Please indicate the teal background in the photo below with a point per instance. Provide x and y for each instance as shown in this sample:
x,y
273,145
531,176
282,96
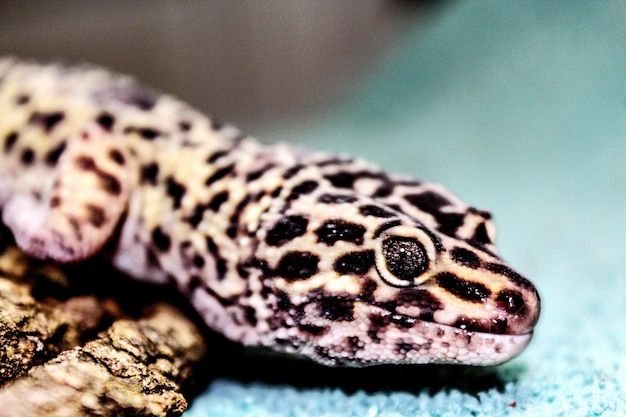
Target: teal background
x,y
520,108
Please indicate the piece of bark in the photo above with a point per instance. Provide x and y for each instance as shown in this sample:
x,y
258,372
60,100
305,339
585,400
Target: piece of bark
x,y
135,368
79,342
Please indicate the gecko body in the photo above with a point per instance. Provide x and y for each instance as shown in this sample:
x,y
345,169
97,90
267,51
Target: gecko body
x,y
304,252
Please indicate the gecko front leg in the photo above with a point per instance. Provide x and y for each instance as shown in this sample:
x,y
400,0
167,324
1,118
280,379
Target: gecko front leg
x,y
72,213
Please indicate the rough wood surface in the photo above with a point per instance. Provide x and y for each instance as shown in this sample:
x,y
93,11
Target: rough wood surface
x,y
69,348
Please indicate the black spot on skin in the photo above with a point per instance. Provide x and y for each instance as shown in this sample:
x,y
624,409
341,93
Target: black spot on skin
x,y
197,215
283,302
215,156
286,229
493,326
233,227
428,201
219,174
386,226
22,99
302,189
347,179
220,263
52,157
221,268
432,203
336,199
385,190
375,211
449,222
313,329
403,347
335,230
297,265
415,297
276,192
250,315
28,156
354,263
161,240
198,261
255,175
481,235
217,201
510,274
55,201
467,290
511,301
465,257
195,282
482,213
405,257
149,173
106,121
184,125
95,215
341,179
212,247
242,271
46,120
146,133
175,190
336,309
292,171
368,286
9,141
109,182
377,323
354,344
116,156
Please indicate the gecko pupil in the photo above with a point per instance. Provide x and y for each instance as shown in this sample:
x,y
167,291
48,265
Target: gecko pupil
x,y
405,257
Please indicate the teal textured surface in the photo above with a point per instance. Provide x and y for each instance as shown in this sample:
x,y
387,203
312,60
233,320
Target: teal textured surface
x,y
519,108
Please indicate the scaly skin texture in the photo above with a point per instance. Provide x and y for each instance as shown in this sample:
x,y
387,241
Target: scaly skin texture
x,y
307,253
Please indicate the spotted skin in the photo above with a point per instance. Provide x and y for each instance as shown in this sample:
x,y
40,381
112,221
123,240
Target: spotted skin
x,y
308,253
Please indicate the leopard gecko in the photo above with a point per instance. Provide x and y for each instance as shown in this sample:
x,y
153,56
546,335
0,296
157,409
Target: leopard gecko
x,y
309,253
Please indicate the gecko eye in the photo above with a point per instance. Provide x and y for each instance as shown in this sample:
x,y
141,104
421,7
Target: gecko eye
x,y
404,256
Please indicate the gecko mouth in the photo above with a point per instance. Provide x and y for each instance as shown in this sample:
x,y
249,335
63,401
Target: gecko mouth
x,y
350,331
467,341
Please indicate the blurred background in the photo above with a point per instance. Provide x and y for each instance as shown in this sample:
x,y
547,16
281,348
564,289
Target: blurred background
x,y
249,62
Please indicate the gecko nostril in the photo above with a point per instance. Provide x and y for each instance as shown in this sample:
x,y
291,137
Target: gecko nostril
x,y
511,301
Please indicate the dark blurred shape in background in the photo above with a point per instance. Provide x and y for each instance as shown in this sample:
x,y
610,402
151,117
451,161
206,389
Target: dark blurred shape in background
x,y
249,62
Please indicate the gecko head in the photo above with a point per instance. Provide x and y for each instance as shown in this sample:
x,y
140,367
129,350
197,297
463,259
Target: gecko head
x,y
383,287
